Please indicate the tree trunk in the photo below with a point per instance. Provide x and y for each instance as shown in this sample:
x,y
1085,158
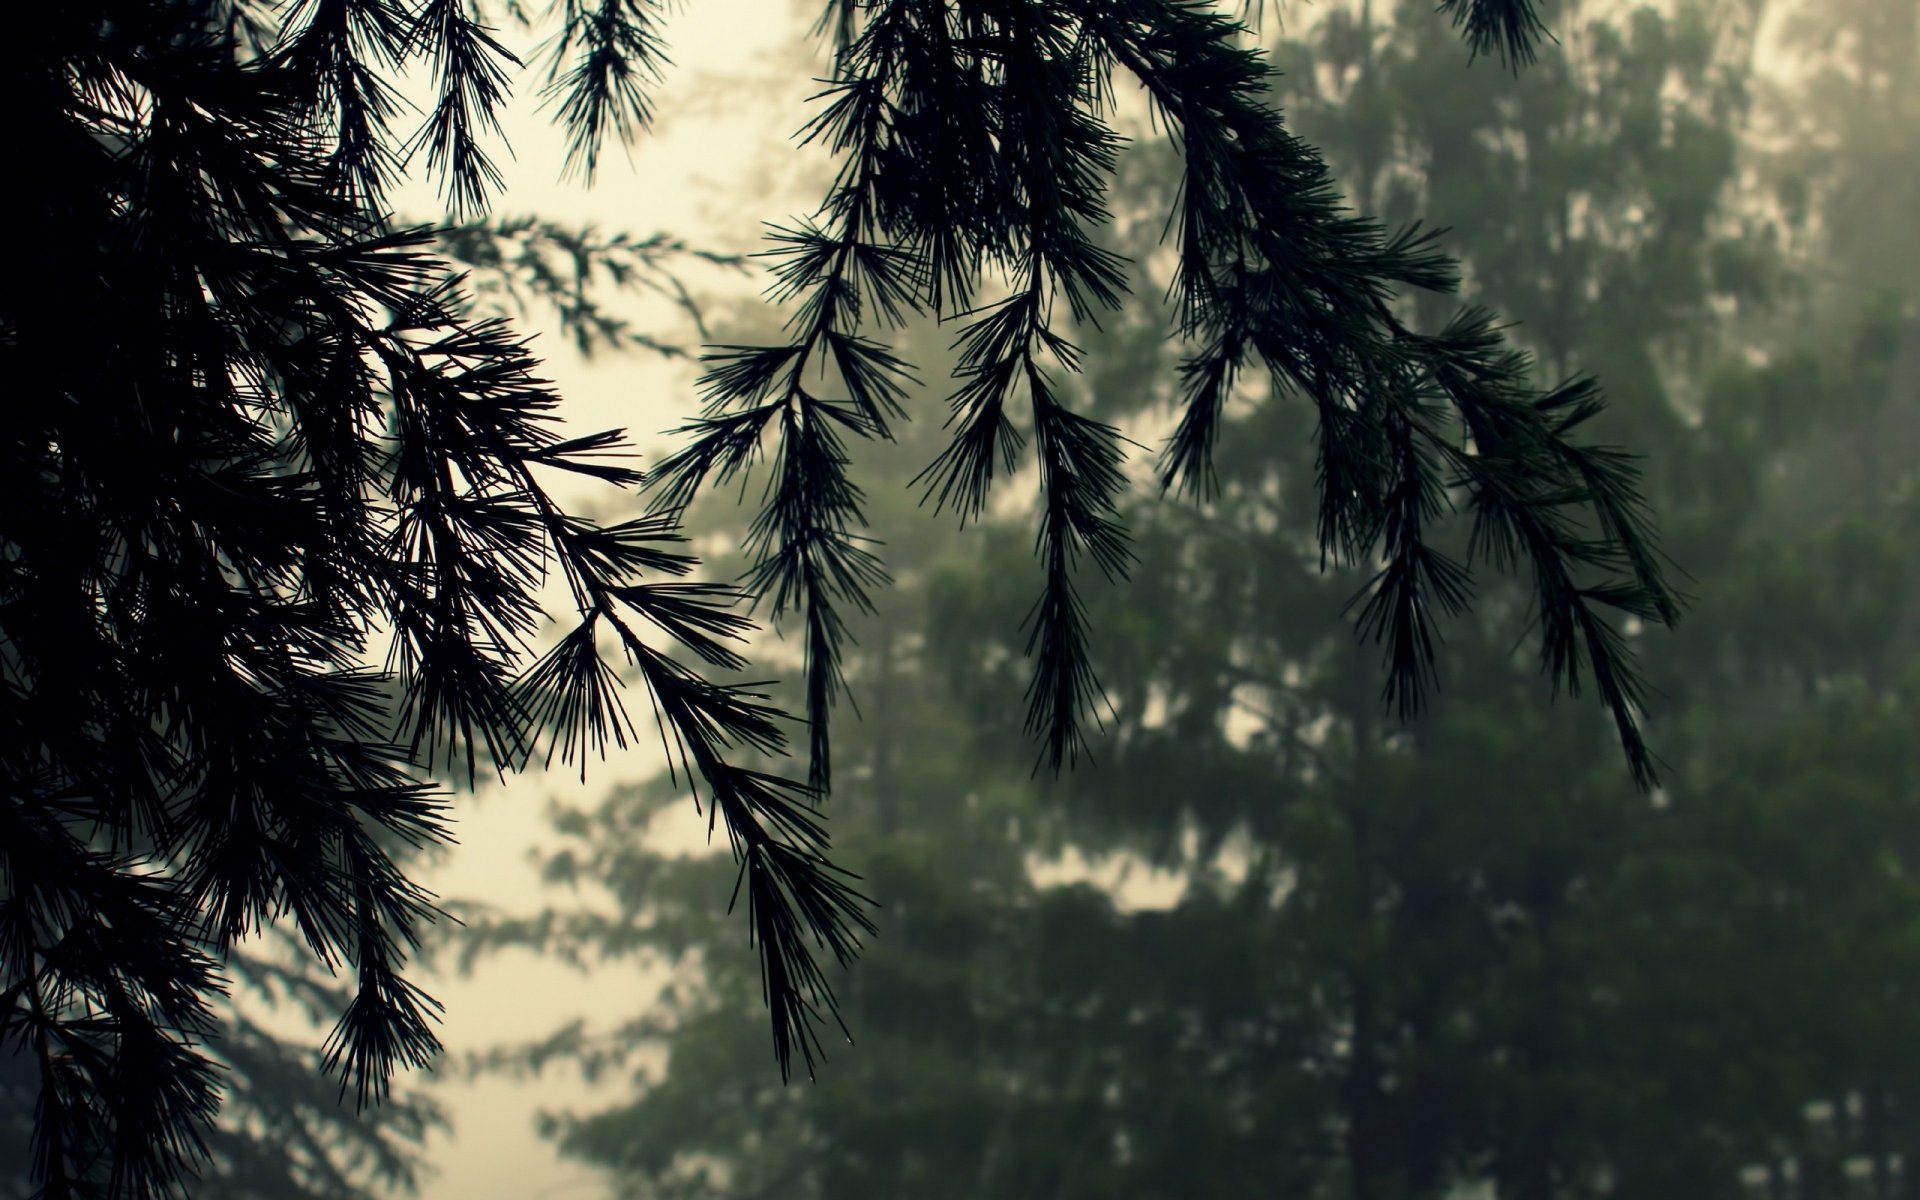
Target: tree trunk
x,y
885,735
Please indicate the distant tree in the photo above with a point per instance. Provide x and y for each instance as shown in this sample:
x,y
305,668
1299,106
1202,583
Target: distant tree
x,y
1415,960
257,437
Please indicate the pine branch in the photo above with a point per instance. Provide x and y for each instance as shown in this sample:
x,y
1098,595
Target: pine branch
x,y
519,262
334,55
1510,28
1272,266
597,63
276,438
293,441
469,66
807,555
920,95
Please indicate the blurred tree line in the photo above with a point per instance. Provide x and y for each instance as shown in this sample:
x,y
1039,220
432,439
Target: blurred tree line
x,y
1457,956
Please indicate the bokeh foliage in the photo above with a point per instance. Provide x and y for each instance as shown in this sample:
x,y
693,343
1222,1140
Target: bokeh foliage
x,y
1360,957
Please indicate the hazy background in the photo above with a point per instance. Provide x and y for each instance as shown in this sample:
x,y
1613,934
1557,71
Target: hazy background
x,y
1740,341
717,164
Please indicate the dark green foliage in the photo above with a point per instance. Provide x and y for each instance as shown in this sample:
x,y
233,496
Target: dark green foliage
x,y
260,438
975,150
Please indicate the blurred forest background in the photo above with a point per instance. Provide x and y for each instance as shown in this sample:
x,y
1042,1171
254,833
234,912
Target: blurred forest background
x,y
1275,943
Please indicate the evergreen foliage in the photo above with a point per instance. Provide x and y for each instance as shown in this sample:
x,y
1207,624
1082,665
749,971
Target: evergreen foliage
x,y
282,1133
260,440
975,145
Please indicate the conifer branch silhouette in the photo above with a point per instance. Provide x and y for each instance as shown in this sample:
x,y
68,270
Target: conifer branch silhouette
x,y
261,440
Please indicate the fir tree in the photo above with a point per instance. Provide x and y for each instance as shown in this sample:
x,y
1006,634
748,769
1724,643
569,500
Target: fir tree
x,y
275,496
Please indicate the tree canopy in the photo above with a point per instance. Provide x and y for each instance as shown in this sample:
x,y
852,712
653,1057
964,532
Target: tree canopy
x,y
276,510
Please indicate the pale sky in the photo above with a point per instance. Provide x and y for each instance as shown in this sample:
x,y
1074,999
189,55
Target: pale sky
x,y
717,164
